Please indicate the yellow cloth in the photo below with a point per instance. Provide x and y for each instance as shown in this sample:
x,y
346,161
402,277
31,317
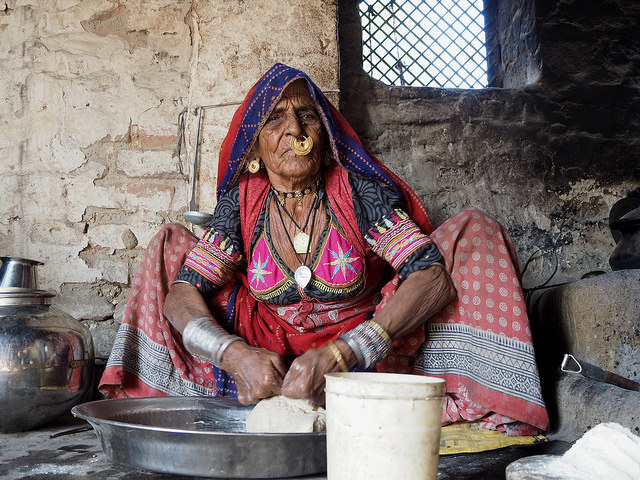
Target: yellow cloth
x,y
471,438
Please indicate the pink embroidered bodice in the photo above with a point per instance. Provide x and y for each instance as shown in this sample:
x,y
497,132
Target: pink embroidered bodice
x,y
338,271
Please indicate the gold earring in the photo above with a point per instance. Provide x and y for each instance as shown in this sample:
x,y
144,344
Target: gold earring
x,y
254,165
301,147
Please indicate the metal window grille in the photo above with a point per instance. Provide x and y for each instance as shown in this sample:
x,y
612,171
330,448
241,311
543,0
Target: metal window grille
x,y
434,43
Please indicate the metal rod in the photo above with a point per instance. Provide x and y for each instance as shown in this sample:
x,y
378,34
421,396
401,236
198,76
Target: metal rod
x,y
192,201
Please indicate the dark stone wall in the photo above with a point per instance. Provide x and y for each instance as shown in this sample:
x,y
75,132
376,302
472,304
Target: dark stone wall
x,y
548,160
512,48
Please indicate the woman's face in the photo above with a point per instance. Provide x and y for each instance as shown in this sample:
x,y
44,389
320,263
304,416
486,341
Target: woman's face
x,y
294,115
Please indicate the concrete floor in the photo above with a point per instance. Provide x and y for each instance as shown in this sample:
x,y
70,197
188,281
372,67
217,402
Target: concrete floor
x,y
44,454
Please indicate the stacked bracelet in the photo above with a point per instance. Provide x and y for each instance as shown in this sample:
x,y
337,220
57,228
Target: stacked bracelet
x,y
336,353
370,343
205,339
378,328
354,347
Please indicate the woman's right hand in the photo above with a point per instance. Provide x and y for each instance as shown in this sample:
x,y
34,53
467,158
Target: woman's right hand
x,y
258,372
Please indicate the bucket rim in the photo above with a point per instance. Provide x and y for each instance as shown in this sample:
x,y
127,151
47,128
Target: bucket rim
x,y
386,377
383,385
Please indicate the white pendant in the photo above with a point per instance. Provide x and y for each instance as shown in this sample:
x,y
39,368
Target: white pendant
x,y
301,242
302,276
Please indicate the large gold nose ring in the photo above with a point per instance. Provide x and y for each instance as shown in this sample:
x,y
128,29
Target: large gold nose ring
x,y
301,146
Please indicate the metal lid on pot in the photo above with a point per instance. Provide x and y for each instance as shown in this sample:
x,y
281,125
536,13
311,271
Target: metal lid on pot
x,y
19,283
19,272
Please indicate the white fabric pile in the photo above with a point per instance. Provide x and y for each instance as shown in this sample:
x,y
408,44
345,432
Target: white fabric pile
x,y
607,451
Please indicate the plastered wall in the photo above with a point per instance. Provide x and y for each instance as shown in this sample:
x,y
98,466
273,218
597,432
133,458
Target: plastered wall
x,y
91,92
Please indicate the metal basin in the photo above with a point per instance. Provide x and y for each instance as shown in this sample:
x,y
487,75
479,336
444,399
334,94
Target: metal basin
x,y
199,436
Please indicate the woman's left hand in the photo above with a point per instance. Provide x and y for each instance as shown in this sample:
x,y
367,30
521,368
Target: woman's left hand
x,y
305,378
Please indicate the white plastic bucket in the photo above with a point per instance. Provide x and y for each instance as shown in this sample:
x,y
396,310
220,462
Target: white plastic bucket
x,y
383,426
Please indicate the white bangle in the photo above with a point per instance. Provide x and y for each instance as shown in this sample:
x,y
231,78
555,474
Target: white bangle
x,y
217,361
355,348
205,339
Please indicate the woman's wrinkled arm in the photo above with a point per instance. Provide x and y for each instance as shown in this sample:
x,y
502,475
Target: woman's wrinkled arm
x,y
423,294
258,372
183,303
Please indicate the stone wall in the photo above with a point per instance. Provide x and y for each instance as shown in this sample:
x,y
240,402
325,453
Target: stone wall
x,y
549,160
91,93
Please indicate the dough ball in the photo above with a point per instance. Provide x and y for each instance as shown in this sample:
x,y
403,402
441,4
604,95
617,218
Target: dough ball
x,y
286,415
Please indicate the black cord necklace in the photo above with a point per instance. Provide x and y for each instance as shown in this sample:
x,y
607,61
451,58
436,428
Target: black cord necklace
x,y
302,274
301,240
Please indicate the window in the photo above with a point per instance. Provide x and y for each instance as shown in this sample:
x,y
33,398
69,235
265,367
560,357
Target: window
x,y
434,43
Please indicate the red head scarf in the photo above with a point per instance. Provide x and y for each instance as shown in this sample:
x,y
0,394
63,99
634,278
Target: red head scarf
x,y
345,146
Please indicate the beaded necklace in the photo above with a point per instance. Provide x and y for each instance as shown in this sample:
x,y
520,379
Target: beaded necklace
x,y
313,188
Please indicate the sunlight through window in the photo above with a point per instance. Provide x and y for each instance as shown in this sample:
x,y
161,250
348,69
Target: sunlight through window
x,y
434,43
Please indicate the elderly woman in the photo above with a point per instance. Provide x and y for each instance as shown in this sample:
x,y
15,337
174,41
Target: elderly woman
x,y
319,259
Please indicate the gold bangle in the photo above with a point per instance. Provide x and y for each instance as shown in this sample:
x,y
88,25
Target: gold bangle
x,y
336,353
378,328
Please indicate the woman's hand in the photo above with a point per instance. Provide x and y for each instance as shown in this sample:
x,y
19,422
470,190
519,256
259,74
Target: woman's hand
x,y
424,293
305,378
258,372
